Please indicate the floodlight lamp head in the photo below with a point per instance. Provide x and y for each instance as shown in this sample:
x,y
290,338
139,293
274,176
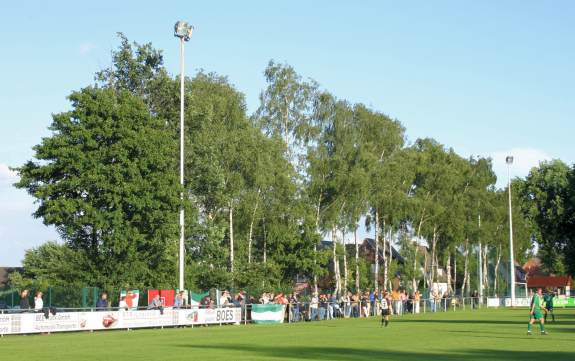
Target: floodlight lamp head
x,y
509,160
183,30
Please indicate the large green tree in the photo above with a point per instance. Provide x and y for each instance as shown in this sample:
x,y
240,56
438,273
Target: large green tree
x,y
105,179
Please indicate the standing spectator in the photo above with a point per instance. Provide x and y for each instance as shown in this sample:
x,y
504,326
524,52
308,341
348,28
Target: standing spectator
x,y
334,306
102,303
331,302
372,302
475,299
365,304
24,302
396,298
206,302
403,301
294,307
416,301
433,299
313,305
238,300
265,299
355,300
38,302
156,304
281,299
346,300
225,299
437,299
179,301
445,300
322,306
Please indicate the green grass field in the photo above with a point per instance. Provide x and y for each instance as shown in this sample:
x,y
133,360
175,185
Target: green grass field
x,y
480,335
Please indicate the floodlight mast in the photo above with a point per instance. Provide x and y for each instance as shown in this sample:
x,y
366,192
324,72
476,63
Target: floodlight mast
x,y
183,31
509,161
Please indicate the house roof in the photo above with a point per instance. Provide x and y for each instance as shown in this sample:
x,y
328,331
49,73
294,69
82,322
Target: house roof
x,y
549,281
394,253
371,243
4,272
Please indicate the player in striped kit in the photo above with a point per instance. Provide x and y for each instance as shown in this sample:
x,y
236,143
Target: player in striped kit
x,y
385,305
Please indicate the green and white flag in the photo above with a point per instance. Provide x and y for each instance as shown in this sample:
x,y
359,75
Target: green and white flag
x,y
269,313
196,298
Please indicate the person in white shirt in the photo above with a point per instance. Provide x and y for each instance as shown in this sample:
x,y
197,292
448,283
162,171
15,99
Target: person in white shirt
x,y
265,299
225,299
38,302
313,307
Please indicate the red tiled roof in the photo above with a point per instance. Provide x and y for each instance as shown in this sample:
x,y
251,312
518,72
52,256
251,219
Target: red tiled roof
x,y
549,281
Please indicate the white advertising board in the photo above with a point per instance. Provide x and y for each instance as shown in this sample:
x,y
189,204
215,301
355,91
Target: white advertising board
x,y
18,323
493,302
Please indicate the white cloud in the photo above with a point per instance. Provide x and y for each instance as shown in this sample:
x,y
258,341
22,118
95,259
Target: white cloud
x,y
523,160
86,48
7,176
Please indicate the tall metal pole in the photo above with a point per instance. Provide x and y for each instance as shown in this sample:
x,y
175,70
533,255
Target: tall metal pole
x,y
480,263
181,253
511,258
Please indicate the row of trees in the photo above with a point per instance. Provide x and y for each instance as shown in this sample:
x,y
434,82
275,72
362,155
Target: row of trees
x,y
261,191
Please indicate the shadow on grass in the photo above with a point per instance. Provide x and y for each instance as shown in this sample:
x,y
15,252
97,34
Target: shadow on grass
x,y
517,337
348,353
485,321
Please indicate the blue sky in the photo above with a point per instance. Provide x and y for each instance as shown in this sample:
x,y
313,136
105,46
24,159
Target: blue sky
x,y
484,77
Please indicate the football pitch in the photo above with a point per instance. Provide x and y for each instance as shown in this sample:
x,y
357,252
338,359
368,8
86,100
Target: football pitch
x,y
462,335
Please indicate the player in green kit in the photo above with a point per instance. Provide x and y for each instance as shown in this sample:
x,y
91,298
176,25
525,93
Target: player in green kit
x,y
549,305
536,313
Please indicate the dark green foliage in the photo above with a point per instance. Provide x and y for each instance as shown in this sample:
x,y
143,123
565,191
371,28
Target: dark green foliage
x,y
105,179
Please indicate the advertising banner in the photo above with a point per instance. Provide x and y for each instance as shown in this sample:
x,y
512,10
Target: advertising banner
x,y
270,313
19,323
519,302
493,302
557,302
129,299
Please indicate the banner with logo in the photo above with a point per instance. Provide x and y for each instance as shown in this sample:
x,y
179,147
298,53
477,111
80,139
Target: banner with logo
x,y
270,313
561,302
129,299
493,302
18,323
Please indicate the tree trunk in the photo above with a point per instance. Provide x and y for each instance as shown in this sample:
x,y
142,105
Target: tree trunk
x,y
465,267
455,272
448,270
426,273
389,259
376,267
345,274
336,264
231,213
496,277
433,257
485,269
251,232
414,279
356,261
318,208
385,259
265,243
